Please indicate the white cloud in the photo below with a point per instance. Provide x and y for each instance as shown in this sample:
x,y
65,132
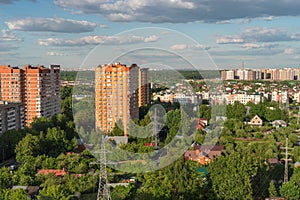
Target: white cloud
x,y
175,11
200,46
179,47
259,46
270,18
289,51
52,53
151,38
223,22
103,26
51,25
96,39
8,36
259,34
184,46
229,40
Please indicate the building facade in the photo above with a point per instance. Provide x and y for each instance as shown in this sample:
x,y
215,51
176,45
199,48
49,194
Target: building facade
x,y
284,74
37,88
144,87
11,116
116,95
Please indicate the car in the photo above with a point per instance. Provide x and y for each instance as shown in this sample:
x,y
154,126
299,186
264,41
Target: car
x,y
13,167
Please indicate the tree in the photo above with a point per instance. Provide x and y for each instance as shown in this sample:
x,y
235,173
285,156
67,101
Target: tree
x,y
272,190
205,111
290,190
231,175
236,111
4,178
296,176
118,129
19,194
28,146
177,181
55,192
122,192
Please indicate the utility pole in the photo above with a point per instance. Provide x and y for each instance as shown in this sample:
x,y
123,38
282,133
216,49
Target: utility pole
x,y
103,188
286,159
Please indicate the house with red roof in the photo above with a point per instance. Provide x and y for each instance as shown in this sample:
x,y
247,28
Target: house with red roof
x,y
56,172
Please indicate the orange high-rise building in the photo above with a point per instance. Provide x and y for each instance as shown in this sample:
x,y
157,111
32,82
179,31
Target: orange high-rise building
x,y
12,84
37,88
118,89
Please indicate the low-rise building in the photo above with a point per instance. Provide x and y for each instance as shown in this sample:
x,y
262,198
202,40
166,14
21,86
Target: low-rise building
x,y
256,121
203,154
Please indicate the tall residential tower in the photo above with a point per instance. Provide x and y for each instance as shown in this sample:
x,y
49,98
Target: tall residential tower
x,y
37,88
119,90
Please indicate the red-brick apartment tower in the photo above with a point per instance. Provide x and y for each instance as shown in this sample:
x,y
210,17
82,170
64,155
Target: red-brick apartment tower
x,y
38,88
116,95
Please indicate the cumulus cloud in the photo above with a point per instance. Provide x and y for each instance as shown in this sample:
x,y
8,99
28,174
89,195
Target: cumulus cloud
x,y
8,36
103,26
289,51
51,25
178,47
175,11
95,40
229,40
259,46
259,34
53,53
185,46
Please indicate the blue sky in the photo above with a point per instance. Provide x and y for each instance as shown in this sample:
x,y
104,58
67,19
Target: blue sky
x,y
259,33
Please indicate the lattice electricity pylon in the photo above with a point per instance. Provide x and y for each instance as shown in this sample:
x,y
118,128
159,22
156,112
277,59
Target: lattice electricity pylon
x,y
103,188
286,159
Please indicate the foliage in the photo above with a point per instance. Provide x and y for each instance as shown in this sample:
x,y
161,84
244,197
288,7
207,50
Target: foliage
x,y
272,190
68,75
290,190
4,178
122,192
177,181
236,111
18,194
231,175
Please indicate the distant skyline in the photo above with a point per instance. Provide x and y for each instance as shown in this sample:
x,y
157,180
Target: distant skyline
x,y
262,34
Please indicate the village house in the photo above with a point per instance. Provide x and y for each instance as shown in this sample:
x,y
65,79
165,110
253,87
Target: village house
x,y
256,121
203,154
56,172
279,123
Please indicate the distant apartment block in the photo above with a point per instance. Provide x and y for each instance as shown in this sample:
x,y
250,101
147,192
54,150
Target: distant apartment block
x,y
11,116
284,74
37,88
119,91
231,98
281,97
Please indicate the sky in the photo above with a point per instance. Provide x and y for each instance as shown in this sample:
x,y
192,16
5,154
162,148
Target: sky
x,y
209,33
